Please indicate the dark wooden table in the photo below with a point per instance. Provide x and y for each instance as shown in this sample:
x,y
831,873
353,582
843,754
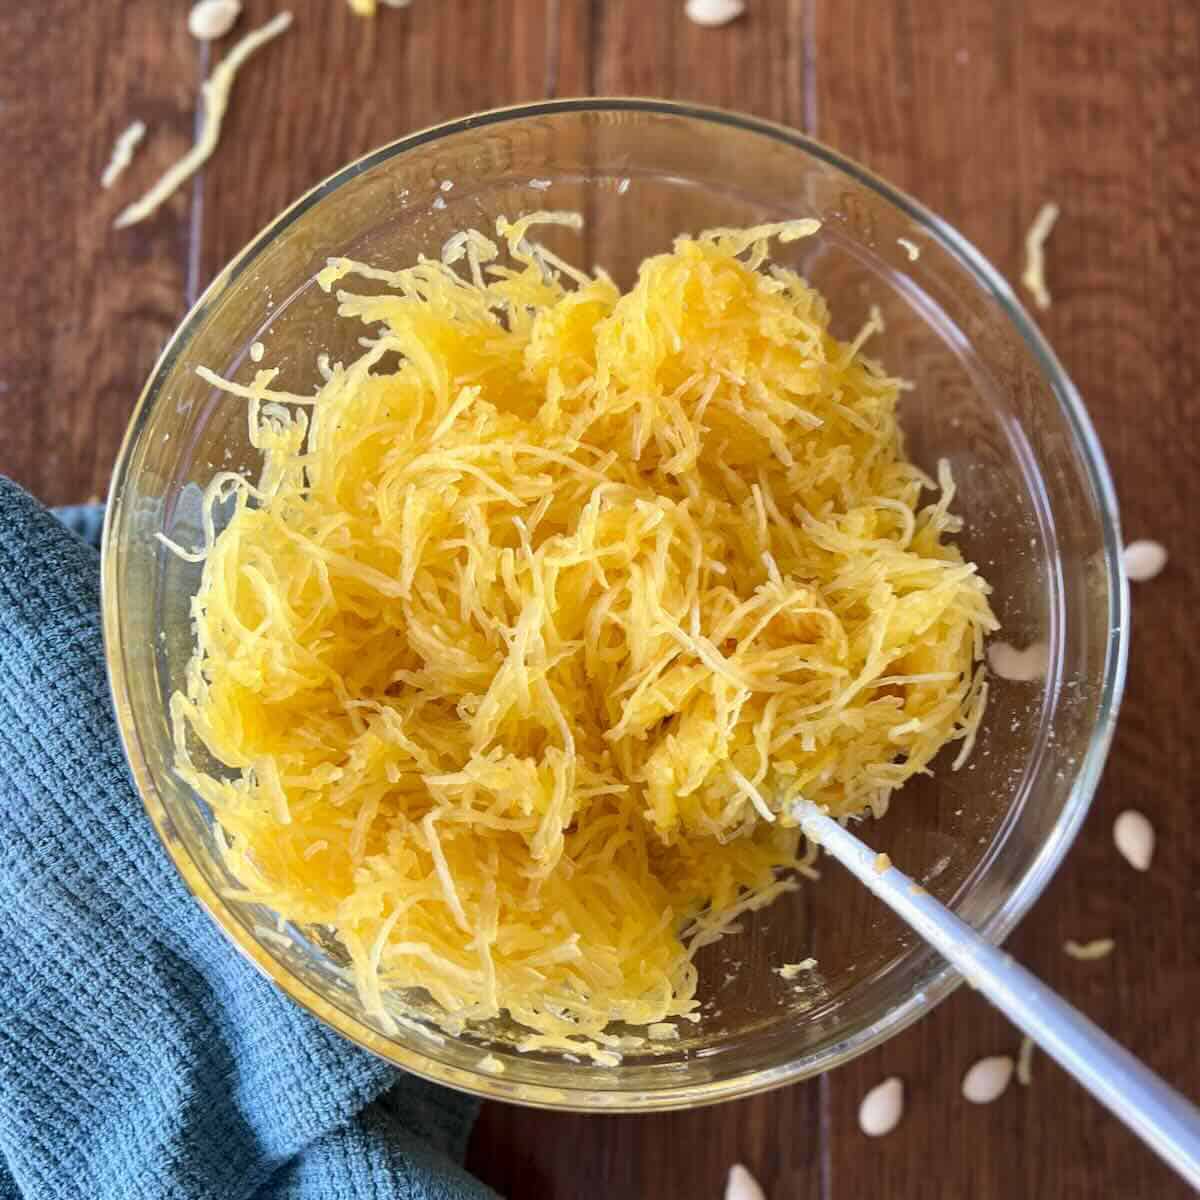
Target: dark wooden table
x,y
983,109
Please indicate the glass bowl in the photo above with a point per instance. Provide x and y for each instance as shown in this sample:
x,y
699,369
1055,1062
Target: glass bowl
x,y
989,396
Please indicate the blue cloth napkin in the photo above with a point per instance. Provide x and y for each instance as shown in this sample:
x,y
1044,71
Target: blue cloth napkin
x,y
140,1057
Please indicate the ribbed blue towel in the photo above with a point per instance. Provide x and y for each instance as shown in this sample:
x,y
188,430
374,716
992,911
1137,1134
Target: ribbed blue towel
x,y
140,1057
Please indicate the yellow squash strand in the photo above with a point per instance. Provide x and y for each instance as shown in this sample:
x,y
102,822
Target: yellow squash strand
x,y
543,610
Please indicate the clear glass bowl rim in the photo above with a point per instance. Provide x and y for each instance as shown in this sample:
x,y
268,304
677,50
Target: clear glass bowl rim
x,y
945,979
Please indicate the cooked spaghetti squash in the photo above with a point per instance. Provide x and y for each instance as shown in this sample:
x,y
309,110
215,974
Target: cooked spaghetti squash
x,y
542,612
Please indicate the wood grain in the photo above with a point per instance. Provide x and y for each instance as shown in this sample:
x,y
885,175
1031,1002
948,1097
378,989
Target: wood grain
x,y
84,310
557,1156
337,86
756,64
982,111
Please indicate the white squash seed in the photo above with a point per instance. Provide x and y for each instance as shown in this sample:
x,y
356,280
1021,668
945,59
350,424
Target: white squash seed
x,y
881,1108
987,1079
212,19
1021,666
742,1185
712,13
1134,838
1143,560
